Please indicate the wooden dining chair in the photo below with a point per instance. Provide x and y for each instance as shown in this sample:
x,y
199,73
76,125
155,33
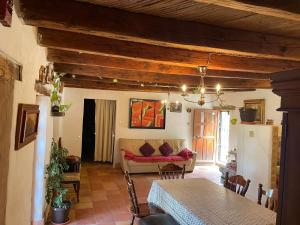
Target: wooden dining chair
x,y
137,209
171,171
271,197
236,183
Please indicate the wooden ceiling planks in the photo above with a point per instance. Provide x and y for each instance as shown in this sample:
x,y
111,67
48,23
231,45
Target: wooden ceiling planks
x,y
284,9
220,12
164,45
119,24
141,76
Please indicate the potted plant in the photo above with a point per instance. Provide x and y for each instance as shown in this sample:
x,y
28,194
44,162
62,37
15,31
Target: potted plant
x,y
55,192
57,108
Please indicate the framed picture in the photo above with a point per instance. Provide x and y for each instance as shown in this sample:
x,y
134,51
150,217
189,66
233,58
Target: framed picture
x,y
27,124
258,104
176,107
147,114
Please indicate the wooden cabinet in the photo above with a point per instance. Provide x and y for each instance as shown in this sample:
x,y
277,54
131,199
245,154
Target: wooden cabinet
x,y
287,85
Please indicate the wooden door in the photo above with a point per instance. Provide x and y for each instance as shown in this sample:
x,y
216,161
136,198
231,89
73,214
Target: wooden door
x,y
205,133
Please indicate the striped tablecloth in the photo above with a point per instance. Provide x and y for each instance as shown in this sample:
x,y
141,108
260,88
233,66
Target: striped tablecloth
x,y
201,202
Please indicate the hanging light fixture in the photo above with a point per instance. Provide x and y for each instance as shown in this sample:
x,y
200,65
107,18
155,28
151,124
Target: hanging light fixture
x,y
201,89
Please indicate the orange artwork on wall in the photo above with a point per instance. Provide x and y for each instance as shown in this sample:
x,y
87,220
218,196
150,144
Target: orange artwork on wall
x,y
147,114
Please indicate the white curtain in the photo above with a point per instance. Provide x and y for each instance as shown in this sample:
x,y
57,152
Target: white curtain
x,y
105,127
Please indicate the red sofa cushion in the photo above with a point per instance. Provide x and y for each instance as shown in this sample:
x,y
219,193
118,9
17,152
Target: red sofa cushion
x,y
159,158
186,153
128,155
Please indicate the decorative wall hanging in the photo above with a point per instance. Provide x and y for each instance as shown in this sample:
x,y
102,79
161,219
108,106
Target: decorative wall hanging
x,y
259,105
6,7
176,107
9,68
147,114
43,84
27,124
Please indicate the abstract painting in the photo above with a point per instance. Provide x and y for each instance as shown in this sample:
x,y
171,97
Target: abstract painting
x,y
147,114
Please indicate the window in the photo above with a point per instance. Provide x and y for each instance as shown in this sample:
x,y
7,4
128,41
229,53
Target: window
x,y
223,139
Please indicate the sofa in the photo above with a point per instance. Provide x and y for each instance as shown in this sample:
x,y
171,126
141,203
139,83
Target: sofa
x,y
133,161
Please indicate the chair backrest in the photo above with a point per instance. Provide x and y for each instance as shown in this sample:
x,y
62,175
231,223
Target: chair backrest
x,y
171,171
132,194
74,163
236,183
271,197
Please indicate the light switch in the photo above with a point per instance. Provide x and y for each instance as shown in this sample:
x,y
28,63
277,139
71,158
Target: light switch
x,y
251,133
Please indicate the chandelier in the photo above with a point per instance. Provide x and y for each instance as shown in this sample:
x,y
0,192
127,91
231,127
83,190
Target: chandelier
x,y
202,90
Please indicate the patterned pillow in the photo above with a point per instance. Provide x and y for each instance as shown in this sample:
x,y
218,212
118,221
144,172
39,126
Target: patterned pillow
x,y
146,149
165,149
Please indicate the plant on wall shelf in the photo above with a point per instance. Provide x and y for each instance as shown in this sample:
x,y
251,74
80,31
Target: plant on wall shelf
x,y
55,192
57,108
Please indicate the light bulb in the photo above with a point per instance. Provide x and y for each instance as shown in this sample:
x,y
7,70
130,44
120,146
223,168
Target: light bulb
x,y
218,87
202,90
183,88
177,102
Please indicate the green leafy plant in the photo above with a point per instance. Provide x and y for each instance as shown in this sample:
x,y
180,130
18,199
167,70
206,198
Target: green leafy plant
x,y
55,192
56,94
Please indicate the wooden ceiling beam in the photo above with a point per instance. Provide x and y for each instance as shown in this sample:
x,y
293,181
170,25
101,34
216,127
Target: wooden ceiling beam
x,y
143,53
73,83
70,57
285,9
97,71
118,24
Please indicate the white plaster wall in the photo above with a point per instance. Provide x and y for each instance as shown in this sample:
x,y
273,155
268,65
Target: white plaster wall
x,y
178,125
20,43
272,102
255,156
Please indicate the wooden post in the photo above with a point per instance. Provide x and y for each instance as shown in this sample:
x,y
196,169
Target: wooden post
x,y
287,85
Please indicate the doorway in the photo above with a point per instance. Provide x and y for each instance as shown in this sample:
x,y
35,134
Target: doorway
x,y
211,135
88,131
98,134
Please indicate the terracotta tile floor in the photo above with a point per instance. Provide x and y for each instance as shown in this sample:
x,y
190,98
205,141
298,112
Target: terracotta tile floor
x,y
104,197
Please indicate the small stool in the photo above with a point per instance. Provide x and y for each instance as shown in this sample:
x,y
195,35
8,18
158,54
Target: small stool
x,y
158,219
73,178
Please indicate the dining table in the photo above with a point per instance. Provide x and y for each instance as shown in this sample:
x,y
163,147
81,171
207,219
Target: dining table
x,y
198,201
